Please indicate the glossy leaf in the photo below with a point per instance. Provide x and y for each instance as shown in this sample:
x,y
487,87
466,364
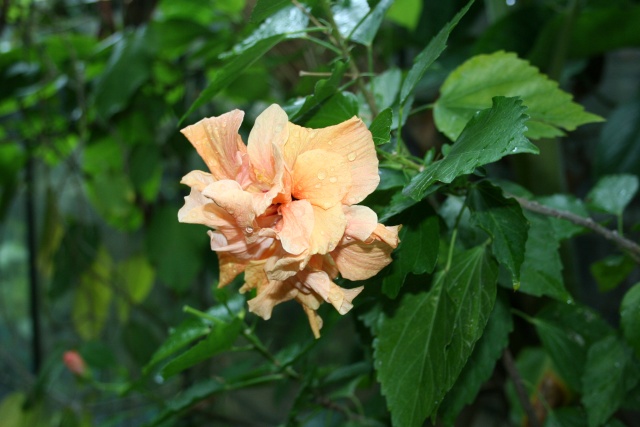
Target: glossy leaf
x,y
421,350
339,108
381,127
505,223
567,331
630,317
430,53
490,135
610,271
481,363
179,337
417,252
367,29
473,85
230,71
265,8
93,297
348,13
608,375
612,193
288,22
541,271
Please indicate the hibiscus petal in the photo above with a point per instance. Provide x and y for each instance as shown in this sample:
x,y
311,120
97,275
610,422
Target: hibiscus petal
x,y
389,235
360,261
319,282
254,277
296,226
270,296
230,266
199,209
328,228
321,177
352,141
315,321
361,222
269,129
230,196
197,179
217,141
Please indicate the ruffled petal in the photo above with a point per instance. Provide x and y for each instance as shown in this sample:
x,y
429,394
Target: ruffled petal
x,y
319,282
295,229
230,266
321,177
361,222
230,196
360,261
328,228
270,296
217,141
315,321
269,130
197,179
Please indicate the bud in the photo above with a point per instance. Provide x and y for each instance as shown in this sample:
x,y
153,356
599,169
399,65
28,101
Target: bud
x,y
74,362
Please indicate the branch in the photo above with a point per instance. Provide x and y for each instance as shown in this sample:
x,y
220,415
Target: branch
x,y
512,370
628,245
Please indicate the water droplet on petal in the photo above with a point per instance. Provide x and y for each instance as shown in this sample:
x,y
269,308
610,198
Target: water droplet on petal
x,y
348,237
249,230
351,156
333,179
322,175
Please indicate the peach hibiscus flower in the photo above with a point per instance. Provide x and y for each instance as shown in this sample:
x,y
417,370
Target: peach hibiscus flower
x,y
283,208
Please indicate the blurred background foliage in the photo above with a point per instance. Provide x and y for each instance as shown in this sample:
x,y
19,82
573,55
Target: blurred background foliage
x,y
92,258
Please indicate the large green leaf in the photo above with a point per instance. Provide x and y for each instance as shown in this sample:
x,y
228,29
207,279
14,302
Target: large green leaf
x,y
421,350
231,71
481,363
608,375
541,271
179,337
128,68
367,28
221,338
381,127
417,252
505,223
612,193
473,85
430,53
630,317
288,22
93,297
490,135
340,107
567,331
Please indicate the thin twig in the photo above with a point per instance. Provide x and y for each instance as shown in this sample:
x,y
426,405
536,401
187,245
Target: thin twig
x,y
631,247
512,370
303,73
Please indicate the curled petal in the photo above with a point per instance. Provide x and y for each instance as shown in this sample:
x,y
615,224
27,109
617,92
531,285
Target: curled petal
x,y
230,196
197,179
281,265
328,228
199,209
238,246
321,177
319,282
315,321
270,296
360,261
254,277
217,141
389,235
269,130
361,222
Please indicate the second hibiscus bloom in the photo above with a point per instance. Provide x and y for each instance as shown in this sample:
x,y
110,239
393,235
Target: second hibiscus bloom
x,y
284,211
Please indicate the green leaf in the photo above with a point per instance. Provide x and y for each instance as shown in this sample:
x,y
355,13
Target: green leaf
x,y
430,53
288,22
367,29
128,68
505,223
398,203
264,8
93,297
421,350
322,90
567,331
406,13
135,280
490,135
612,193
340,107
566,417
221,338
348,14
473,85
381,127
562,228
610,271
174,249
179,337
145,170
618,148
231,71
417,252
608,376
630,317
541,271
481,363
